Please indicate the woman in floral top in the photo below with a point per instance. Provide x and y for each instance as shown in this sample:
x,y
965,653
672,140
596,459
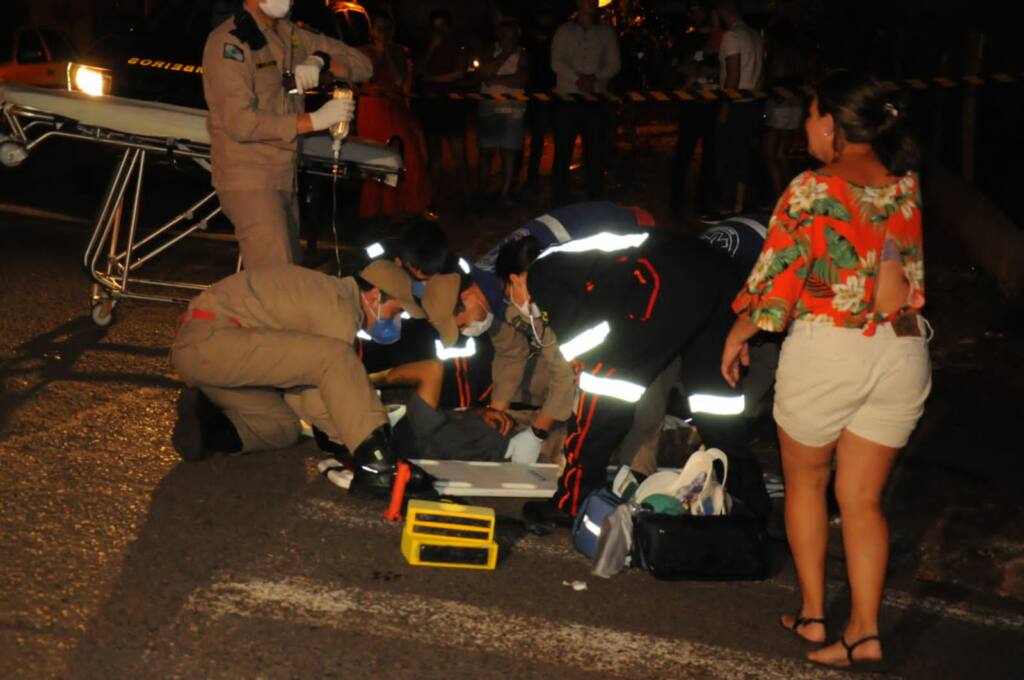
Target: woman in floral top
x,y
842,270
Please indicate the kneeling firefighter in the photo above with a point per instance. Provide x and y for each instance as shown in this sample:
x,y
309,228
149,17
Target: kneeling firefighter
x,y
261,342
624,307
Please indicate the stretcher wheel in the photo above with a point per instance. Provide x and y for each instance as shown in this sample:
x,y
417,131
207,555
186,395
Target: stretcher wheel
x,y
103,312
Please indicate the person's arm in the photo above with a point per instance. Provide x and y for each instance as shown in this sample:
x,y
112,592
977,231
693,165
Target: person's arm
x,y
231,97
729,55
347,63
426,376
777,281
560,48
611,61
561,391
511,352
518,79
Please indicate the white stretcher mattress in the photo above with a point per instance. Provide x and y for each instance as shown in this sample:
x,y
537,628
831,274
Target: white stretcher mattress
x,y
170,122
130,116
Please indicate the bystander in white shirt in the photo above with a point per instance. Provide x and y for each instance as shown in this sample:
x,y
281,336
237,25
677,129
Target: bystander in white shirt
x,y
577,51
741,39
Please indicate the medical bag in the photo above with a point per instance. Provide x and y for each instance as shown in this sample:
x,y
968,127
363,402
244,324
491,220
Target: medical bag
x,y
586,530
721,548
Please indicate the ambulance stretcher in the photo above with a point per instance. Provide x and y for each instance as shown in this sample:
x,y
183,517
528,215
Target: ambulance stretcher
x,y
119,246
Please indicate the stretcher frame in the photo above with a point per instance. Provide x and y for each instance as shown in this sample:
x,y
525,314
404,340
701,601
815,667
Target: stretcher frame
x,y
117,249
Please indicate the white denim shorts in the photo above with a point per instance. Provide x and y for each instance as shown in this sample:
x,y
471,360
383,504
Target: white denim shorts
x,y
833,379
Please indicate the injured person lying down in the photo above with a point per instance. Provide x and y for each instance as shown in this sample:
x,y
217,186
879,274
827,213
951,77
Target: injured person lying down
x,y
479,434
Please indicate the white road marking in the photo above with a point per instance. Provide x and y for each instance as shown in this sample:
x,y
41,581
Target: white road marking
x,y
359,518
455,624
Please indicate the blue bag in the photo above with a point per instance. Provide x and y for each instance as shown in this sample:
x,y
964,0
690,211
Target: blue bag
x,y
586,530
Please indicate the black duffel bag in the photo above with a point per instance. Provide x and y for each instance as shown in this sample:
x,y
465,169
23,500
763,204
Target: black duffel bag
x,y
718,548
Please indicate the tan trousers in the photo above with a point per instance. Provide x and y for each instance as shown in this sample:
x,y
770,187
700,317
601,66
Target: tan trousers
x,y
245,371
266,225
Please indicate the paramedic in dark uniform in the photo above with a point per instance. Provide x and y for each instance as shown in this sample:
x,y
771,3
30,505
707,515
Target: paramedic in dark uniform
x,y
624,308
249,344
254,121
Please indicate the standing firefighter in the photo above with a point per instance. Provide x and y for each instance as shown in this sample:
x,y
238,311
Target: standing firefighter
x,y
263,347
624,308
256,66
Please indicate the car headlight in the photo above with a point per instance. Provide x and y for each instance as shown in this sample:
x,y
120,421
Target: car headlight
x,y
88,79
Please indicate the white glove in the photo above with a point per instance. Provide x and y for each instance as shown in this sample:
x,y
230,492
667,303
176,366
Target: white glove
x,y
524,448
307,74
333,112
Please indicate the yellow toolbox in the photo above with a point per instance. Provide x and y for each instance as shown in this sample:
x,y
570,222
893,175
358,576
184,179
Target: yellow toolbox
x,y
449,535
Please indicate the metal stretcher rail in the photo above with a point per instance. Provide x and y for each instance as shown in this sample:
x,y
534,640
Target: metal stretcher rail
x,y
117,249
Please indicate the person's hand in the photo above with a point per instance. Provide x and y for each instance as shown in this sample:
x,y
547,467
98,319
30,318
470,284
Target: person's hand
x,y
334,111
734,354
586,84
524,448
307,74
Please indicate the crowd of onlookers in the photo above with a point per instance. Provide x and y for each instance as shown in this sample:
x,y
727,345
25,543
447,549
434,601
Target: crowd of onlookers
x,y
425,99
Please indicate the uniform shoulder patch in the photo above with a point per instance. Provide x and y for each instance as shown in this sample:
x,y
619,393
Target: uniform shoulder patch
x,y
232,51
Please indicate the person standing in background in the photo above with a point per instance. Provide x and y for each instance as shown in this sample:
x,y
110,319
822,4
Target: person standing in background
x,y
740,59
697,119
500,129
584,57
384,113
442,70
542,79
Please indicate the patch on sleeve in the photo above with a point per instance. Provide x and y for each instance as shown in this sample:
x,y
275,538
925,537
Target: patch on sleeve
x,y
235,52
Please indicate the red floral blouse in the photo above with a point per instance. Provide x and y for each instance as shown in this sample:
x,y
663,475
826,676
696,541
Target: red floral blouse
x,y
821,255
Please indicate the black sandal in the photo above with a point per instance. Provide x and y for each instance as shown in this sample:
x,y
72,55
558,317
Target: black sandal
x,y
801,621
861,664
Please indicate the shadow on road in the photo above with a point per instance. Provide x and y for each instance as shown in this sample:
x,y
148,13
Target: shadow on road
x,y
55,356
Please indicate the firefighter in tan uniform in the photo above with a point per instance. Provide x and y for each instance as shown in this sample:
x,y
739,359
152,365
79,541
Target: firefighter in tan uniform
x,y
251,341
527,366
255,122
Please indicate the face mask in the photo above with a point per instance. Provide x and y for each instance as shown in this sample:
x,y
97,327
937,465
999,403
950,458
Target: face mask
x,y
386,331
478,327
418,289
276,9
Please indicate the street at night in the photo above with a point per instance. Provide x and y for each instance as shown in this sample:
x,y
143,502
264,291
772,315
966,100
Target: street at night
x,y
131,550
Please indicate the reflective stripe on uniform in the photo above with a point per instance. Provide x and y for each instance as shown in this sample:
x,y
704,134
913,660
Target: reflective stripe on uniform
x,y
445,353
374,250
463,265
611,387
605,241
717,404
556,228
585,341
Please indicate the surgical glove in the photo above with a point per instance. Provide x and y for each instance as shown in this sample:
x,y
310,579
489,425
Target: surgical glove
x,y
307,74
333,112
524,448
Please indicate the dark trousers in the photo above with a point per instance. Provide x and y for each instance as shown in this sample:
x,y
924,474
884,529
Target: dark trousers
x,y
538,121
602,422
696,124
734,137
589,121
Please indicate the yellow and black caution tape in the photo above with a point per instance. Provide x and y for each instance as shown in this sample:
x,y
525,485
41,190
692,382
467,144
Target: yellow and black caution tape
x,y
711,95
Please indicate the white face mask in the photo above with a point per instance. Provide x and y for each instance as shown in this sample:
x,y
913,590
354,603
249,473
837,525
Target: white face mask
x,y
276,9
478,327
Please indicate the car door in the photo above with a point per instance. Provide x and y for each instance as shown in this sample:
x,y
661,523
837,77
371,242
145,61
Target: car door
x,y
32,65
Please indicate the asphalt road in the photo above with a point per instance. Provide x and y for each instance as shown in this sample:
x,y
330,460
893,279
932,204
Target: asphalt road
x,y
117,560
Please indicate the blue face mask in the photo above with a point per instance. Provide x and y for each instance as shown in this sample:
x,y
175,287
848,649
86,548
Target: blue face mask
x,y
418,289
386,331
